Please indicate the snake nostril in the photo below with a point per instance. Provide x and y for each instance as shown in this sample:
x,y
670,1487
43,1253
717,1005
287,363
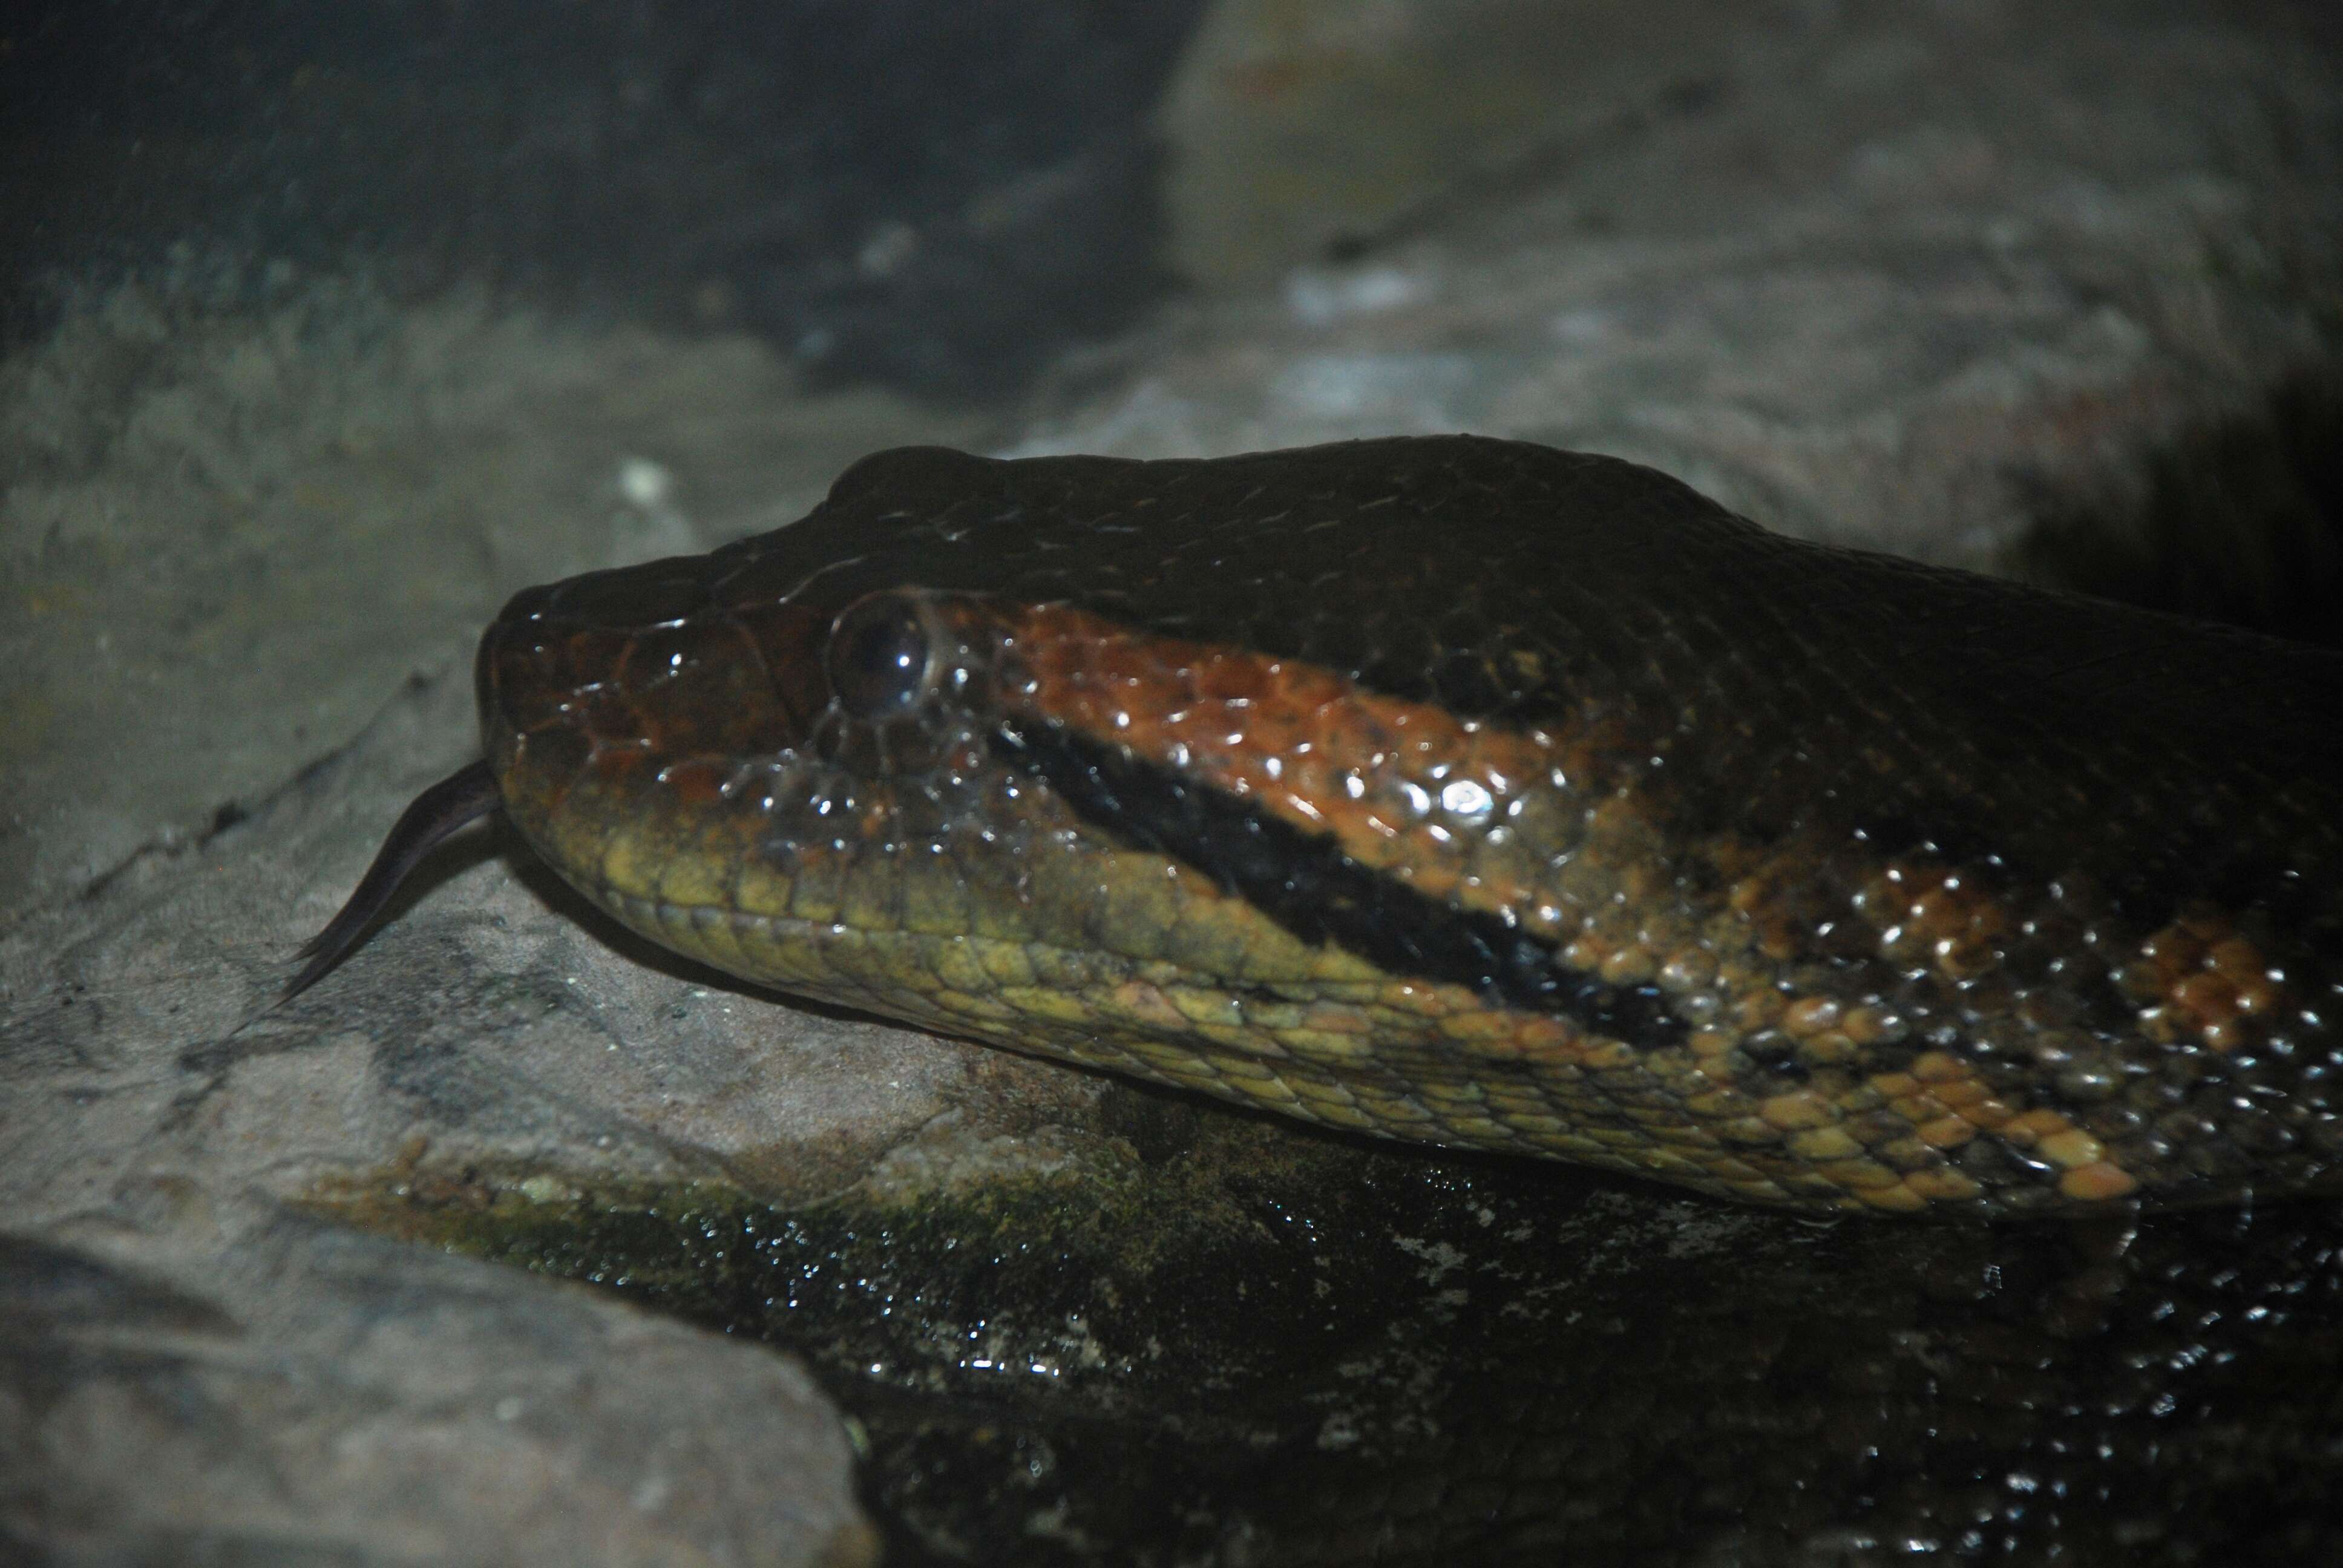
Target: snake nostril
x,y
880,656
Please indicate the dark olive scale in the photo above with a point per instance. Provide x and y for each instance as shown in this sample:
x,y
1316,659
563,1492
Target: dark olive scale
x,y
1833,879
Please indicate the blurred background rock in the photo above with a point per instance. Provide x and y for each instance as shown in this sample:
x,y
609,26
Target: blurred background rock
x,y
328,326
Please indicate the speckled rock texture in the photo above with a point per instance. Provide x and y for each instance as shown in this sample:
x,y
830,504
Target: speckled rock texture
x,y
1865,272
257,1387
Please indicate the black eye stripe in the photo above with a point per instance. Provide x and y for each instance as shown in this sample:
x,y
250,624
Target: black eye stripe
x,y
1305,883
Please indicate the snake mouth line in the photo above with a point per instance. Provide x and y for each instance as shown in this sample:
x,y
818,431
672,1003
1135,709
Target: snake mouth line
x,y
1308,885
703,930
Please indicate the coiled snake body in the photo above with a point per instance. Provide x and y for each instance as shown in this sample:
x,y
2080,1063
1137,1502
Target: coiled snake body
x,y
1476,793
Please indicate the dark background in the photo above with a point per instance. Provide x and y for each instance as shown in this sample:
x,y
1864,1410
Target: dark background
x,y
932,195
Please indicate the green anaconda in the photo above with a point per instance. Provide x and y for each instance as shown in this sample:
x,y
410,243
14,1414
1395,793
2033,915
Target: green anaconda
x,y
1473,793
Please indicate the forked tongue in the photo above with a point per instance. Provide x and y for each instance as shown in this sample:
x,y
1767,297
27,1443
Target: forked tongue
x,y
468,793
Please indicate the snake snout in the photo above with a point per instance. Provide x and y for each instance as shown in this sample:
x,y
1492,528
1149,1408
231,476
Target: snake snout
x,y
640,669
638,697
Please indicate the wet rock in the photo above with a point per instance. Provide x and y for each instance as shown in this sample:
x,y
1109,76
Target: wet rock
x,y
1869,272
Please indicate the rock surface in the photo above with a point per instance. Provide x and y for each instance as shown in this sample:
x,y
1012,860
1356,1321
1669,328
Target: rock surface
x,y
1868,272
259,1388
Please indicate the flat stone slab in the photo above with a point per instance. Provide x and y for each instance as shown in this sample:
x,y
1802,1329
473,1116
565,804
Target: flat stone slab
x,y
258,1387
1902,279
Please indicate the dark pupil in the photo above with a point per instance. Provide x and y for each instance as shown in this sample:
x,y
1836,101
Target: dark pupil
x,y
878,658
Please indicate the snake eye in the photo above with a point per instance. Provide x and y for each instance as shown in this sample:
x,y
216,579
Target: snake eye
x,y
880,654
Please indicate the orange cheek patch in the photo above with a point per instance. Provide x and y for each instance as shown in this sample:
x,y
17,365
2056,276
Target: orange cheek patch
x,y
1402,787
2203,980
